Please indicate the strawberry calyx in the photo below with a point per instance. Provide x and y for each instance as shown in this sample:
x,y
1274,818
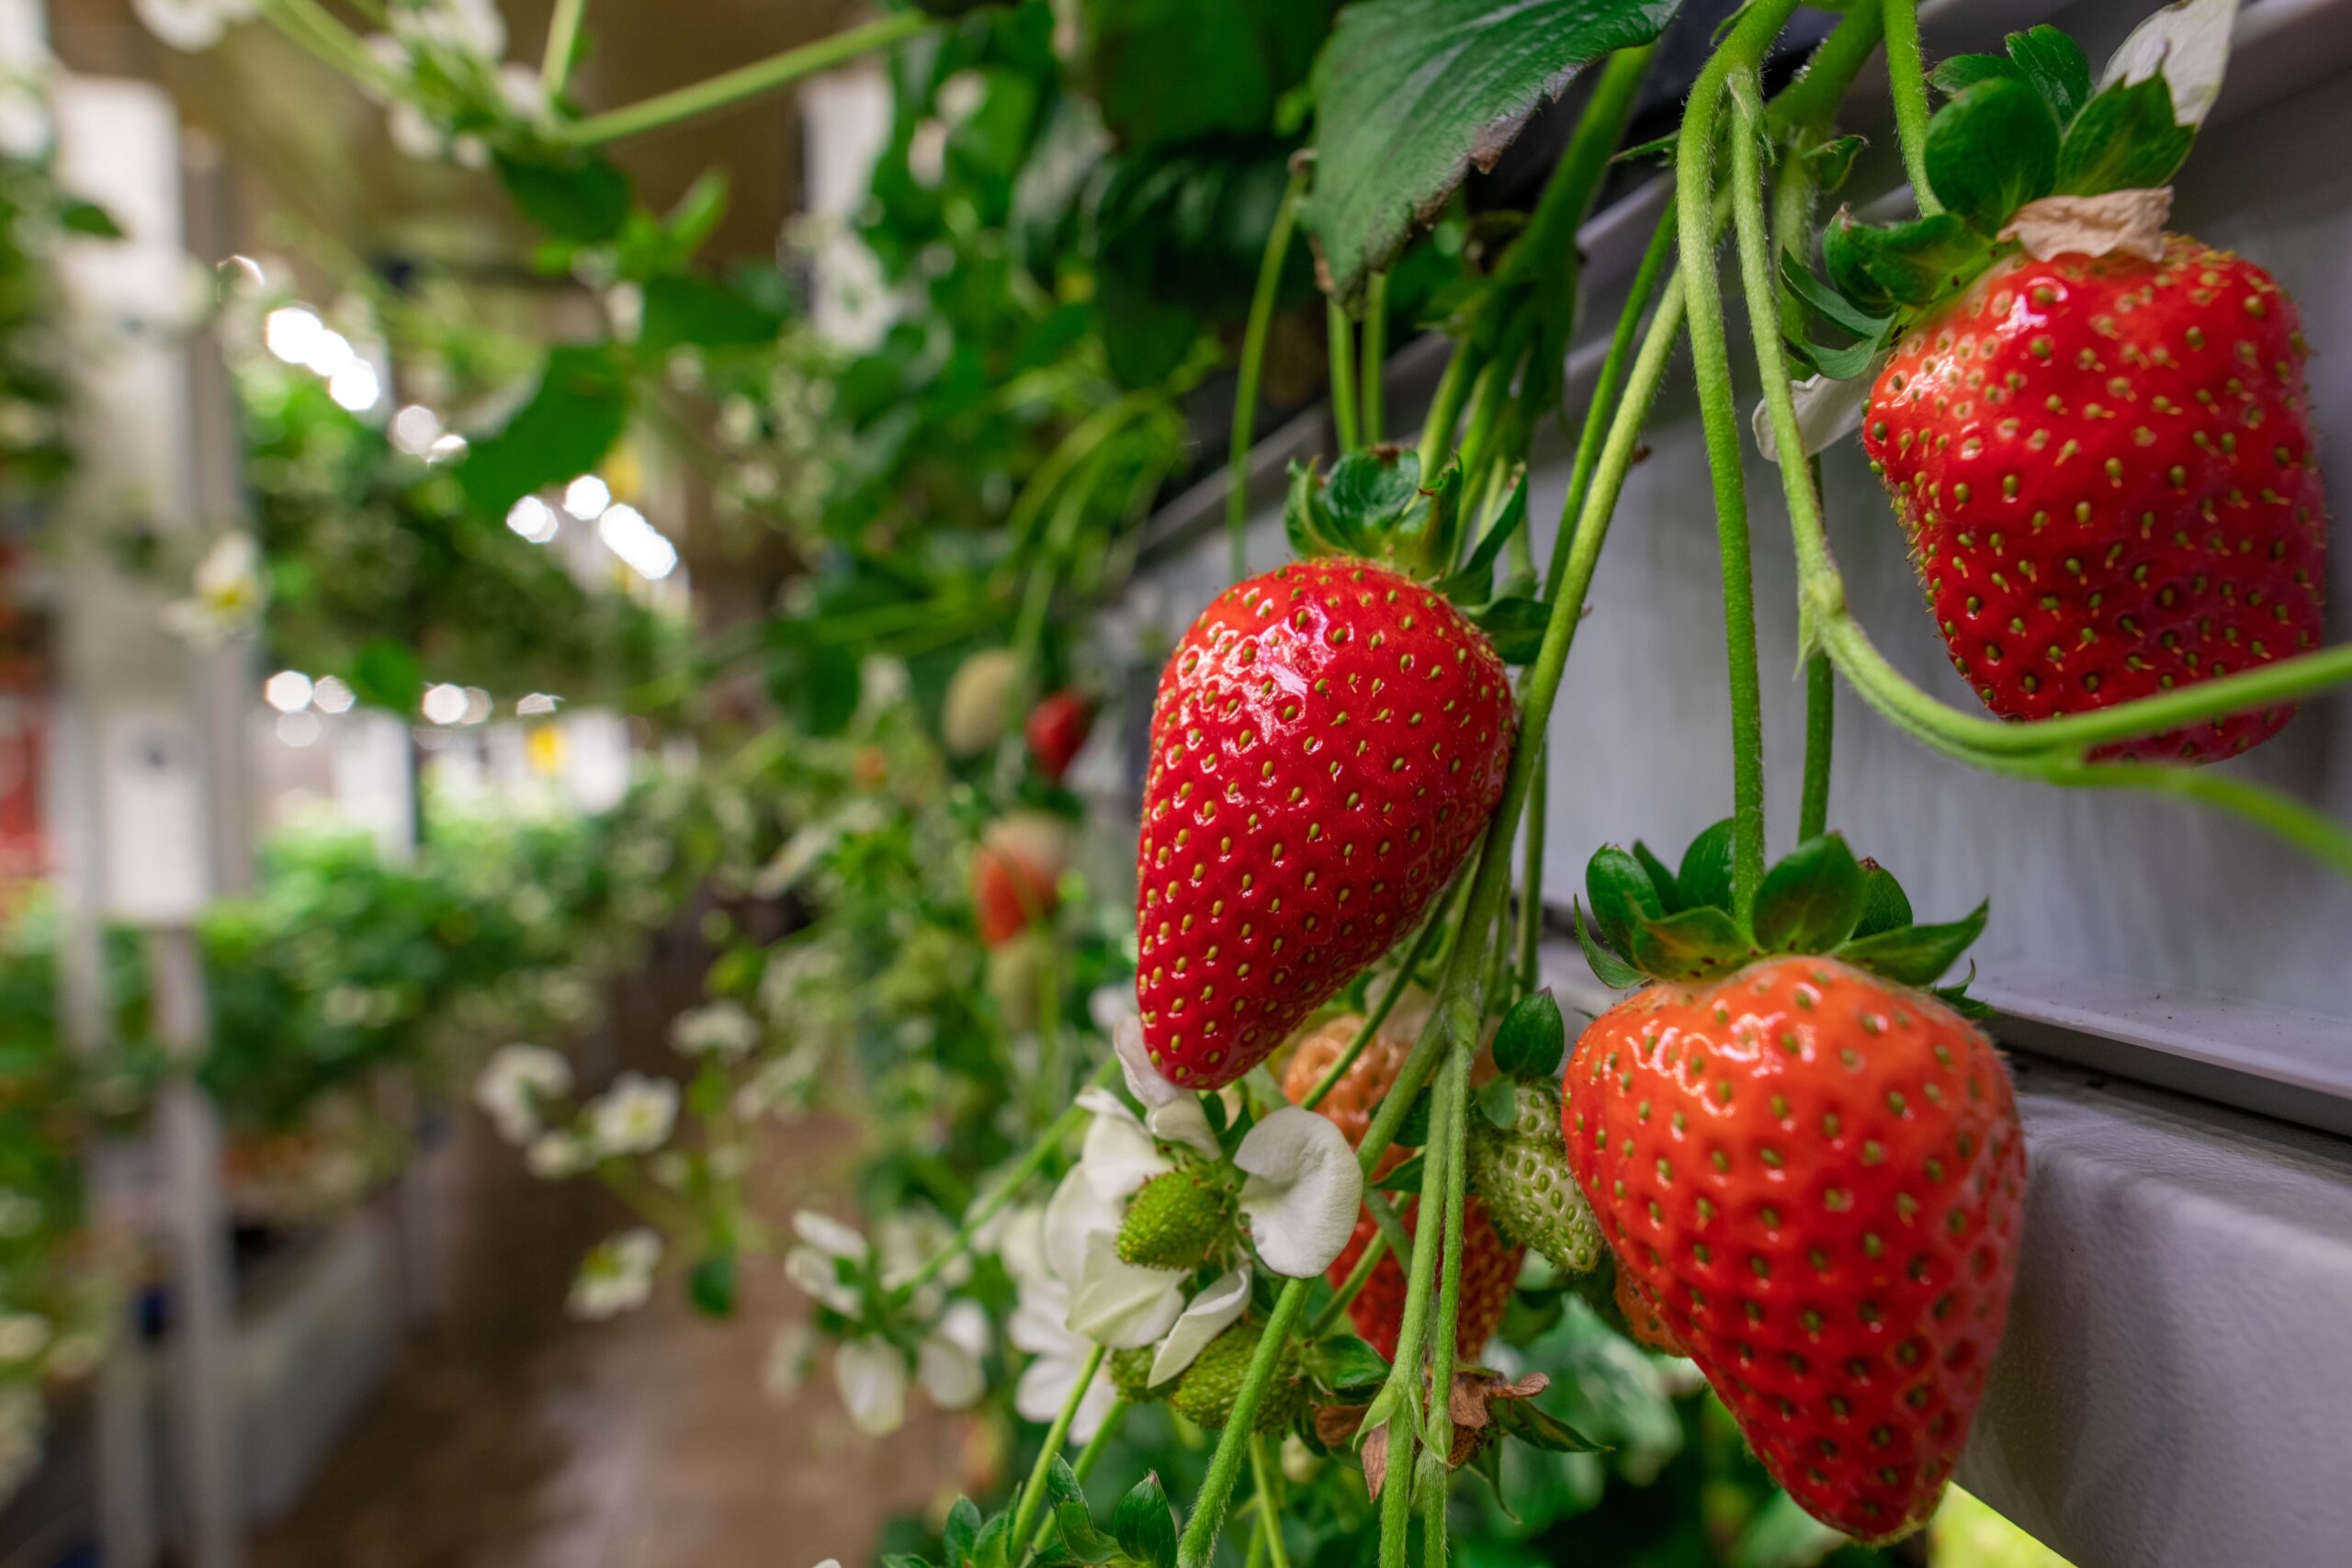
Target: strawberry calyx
x,y
1651,923
2019,129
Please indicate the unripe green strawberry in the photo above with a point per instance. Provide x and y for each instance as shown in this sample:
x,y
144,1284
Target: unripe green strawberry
x,y
1131,1374
1329,742
1523,1173
1180,1219
1205,1393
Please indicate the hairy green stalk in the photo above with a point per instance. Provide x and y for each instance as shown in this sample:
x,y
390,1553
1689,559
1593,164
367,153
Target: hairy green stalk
x,y
1341,337
1820,729
563,42
1032,1495
743,83
1253,365
1445,407
1376,355
1270,1506
1907,81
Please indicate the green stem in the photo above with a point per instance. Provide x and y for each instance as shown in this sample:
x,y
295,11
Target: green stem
x,y
1454,1087
1032,1495
1445,408
1270,1512
1341,335
736,86
1086,1459
1531,879
1396,1499
1031,1161
1254,364
1350,1288
1199,1541
1375,354
1907,80
563,42
314,29
2320,835
1820,724
1389,1227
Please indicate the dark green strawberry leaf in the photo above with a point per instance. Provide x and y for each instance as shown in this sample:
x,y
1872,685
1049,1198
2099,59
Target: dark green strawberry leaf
x,y
1884,904
1991,149
1607,967
2056,66
1146,1525
1820,300
1532,1038
1344,1363
571,419
1705,877
1083,1539
1916,956
991,1548
962,1531
1623,892
1522,1419
1670,896
1962,72
1473,582
386,674
1833,161
818,682
1413,1132
1405,1176
586,201
87,219
1486,1462
1687,945
1907,264
2125,139
682,310
1171,71
711,1285
1498,1103
1410,93
1516,627
1811,900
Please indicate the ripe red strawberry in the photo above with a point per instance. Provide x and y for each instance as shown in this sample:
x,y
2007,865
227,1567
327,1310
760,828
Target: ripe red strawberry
x,y
1814,1180
1490,1265
1056,727
1329,742
1015,873
2105,466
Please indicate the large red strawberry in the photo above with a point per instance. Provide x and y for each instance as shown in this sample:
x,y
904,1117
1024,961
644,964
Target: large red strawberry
x,y
1329,742
1812,1176
1490,1265
2105,469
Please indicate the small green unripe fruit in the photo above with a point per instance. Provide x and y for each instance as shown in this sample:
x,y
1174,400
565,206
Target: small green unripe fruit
x,y
1180,1219
1131,1373
1204,1395
1523,1173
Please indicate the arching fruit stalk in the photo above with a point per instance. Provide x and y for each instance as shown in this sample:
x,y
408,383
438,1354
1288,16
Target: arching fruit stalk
x,y
1809,1168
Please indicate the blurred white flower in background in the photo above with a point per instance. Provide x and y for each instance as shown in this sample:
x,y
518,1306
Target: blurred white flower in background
x,y
616,1276
227,596
191,25
870,1371
23,1335
554,1156
634,1115
516,1087
473,25
722,1029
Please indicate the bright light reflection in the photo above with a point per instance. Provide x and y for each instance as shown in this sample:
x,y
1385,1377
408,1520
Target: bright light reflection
x,y
445,703
532,518
627,535
535,705
414,430
476,705
448,447
298,729
292,334
586,498
329,695
289,691
356,387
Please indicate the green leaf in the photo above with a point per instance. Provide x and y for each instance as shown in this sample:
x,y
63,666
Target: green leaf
x,y
1907,264
1473,582
1687,945
1622,890
570,420
962,1531
1405,1175
1369,491
683,309
1884,904
992,1547
1916,956
1962,72
1825,302
88,219
1188,224
1410,93
2056,66
1516,627
1168,71
1498,1103
1607,967
1704,880
2125,139
386,674
1532,1038
1670,896
1834,160
1082,1536
1522,1419
585,201
1146,1525
1413,1132
1344,1362
1145,336
1811,900
1991,149
697,212
818,683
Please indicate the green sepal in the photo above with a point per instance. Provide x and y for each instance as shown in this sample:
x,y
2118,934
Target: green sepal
x,y
1884,904
1959,72
1623,892
1693,943
711,1284
1704,879
1669,894
1519,1418
1424,542
1907,264
1405,1176
1145,1524
1805,299
990,1548
1916,956
1306,522
1345,1364
1499,1102
1413,1130
962,1531
1532,1040
1372,491
1473,582
1516,627
1607,967
1956,997
1991,149
1811,900
2056,66
2125,139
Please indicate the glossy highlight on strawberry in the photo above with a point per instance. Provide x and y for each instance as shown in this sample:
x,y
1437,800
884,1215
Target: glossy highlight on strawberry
x,y
1329,742
2105,467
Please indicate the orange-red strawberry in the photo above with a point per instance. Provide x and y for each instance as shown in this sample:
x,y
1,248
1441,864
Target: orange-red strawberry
x,y
1329,742
1056,727
1016,872
2105,466
1813,1179
1490,1265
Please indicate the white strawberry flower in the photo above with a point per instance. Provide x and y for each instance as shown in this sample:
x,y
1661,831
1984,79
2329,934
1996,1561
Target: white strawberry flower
x,y
1302,1192
1040,1326
227,593
722,1029
190,26
516,1085
635,1116
616,1276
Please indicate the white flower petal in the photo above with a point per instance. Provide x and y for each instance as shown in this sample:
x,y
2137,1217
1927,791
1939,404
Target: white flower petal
x,y
1212,1312
1303,1191
1123,1305
813,1272
1021,1248
1143,1079
949,1367
2190,43
1075,1215
1827,412
1118,1155
1181,1121
1101,1394
828,1234
872,1376
1044,1387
